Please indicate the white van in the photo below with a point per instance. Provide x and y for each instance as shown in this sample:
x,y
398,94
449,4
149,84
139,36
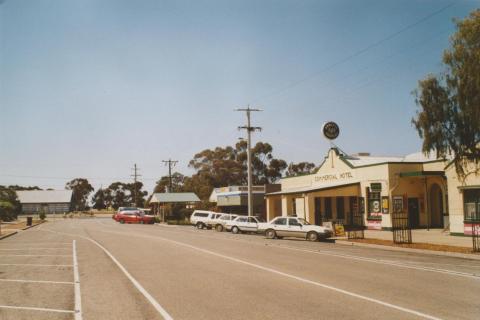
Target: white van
x,y
200,218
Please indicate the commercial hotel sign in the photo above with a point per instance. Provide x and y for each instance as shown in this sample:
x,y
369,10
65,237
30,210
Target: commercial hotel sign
x,y
334,177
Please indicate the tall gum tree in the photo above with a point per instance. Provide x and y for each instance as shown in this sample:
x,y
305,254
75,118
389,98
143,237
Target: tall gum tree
x,y
448,119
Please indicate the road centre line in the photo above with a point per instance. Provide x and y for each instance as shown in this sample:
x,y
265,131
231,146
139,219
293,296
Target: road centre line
x,y
352,257
304,280
34,255
139,287
30,243
36,309
35,281
36,265
76,280
25,249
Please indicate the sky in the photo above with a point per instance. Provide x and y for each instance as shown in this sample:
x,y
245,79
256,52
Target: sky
x,y
88,88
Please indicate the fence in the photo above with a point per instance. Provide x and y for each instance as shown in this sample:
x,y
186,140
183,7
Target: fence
x,y
402,231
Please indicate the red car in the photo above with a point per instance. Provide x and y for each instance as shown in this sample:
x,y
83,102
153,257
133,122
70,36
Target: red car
x,y
133,216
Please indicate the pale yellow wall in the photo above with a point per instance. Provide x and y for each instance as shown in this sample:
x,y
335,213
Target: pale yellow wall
x,y
455,196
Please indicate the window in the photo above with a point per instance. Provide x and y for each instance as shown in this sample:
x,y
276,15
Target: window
x,y
328,208
340,208
242,219
471,201
201,214
280,221
293,222
252,220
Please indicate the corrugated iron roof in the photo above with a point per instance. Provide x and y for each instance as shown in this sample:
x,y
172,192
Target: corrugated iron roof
x,y
45,196
174,197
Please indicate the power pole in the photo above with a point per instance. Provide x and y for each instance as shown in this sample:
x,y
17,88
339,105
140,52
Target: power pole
x,y
249,129
135,175
171,163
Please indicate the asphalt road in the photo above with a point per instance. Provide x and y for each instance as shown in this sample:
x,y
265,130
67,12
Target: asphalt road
x,y
99,269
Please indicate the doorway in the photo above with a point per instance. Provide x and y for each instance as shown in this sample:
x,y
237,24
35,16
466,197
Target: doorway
x,y
413,213
436,206
318,211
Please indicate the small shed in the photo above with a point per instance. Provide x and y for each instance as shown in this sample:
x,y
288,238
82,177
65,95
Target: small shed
x,y
47,201
159,201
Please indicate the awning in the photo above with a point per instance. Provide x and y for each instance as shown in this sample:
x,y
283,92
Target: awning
x,y
469,187
174,197
422,174
312,189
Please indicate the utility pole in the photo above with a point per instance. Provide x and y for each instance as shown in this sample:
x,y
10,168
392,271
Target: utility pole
x,y
135,175
171,163
249,129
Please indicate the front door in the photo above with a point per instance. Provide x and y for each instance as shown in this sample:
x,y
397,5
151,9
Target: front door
x,y
318,211
413,212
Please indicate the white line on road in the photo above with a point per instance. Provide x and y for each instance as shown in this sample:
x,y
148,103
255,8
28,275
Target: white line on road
x,y
35,281
30,243
76,279
343,256
36,309
34,255
36,265
291,276
325,286
139,287
26,249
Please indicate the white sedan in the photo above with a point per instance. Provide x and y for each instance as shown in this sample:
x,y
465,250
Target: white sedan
x,y
243,224
281,227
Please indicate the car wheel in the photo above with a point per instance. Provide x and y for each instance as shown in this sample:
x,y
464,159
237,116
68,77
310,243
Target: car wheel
x,y
121,221
270,234
219,228
199,225
235,230
312,236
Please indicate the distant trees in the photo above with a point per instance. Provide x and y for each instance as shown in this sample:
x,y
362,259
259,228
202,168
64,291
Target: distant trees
x,y
300,168
449,115
81,189
119,194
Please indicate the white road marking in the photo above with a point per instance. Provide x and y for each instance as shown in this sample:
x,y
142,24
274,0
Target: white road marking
x,y
36,309
139,287
30,243
304,280
36,265
35,281
347,256
76,279
26,249
34,255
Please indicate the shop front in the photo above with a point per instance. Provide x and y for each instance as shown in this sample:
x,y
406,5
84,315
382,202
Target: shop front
x,y
360,189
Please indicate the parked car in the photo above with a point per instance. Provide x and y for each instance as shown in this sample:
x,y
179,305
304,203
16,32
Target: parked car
x,y
243,224
200,218
210,222
123,209
220,222
134,216
281,227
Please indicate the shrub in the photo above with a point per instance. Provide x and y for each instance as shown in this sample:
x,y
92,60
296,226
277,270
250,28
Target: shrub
x,y
42,215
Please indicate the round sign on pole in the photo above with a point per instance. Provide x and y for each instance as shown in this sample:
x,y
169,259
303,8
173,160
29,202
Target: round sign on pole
x,y
331,130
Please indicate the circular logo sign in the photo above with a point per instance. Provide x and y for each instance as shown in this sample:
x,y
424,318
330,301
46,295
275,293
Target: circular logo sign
x,y
331,130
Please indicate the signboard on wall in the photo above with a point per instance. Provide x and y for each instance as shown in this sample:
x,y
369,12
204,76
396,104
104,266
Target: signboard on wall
x,y
385,208
374,225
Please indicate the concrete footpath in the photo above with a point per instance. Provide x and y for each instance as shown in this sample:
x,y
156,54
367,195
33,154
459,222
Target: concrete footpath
x,y
432,236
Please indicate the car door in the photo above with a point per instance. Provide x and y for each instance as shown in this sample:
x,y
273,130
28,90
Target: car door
x,y
252,224
280,226
295,228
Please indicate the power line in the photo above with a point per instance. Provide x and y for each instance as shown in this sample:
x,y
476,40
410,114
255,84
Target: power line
x,y
249,129
355,54
170,163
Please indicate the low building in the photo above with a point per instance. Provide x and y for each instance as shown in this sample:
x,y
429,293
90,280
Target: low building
x,y
234,199
348,187
161,202
47,201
